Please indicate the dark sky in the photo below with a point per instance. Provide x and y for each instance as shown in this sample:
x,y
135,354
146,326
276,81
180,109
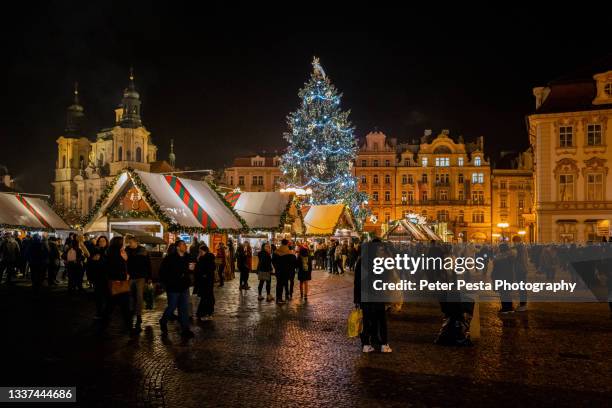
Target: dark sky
x,y
221,92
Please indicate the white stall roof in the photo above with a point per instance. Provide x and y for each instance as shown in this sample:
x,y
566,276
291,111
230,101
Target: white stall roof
x,y
260,209
18,210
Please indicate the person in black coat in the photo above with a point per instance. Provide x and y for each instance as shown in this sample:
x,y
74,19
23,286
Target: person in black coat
x,y
284,263
205,283
37,257
139,269
97,273
116,267
304,266
175,276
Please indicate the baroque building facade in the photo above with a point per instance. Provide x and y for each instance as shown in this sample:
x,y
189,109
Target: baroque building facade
x,y
84,167
449,181
570,132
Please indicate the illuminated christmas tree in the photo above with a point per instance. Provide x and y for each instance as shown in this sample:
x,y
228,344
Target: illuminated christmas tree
x,y
322,147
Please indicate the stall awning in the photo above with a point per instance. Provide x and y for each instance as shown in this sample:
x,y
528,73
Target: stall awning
x,y
179,202
23,211
322,220
264,210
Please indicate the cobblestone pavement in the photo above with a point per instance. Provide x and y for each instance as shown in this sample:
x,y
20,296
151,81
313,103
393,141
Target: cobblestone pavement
x,y
259,354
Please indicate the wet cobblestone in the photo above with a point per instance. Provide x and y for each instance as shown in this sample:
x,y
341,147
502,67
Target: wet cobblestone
x,y
259,354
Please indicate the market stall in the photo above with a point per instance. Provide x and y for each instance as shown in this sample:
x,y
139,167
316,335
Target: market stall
x,y
330,221
163,206
268,215
25,212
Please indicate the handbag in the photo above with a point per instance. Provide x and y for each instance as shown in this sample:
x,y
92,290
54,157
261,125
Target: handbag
x,y
119,287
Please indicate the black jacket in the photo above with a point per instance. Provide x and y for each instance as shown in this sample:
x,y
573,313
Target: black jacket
x,y
284,261
116,266
205,274
265,261
138,263
97,270
174,273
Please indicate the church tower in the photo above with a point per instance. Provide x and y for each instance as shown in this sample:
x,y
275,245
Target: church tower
x,y
130,104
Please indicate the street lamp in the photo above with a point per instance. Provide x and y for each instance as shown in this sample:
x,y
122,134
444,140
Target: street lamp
x,y
503,226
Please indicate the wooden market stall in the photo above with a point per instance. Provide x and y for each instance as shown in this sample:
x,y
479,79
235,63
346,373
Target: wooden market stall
x,y
25,212
330,221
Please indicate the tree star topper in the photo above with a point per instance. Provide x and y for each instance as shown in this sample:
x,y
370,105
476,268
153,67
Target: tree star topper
x,y
318,69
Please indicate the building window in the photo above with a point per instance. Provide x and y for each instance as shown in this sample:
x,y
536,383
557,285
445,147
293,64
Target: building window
x,y
608,89
442,162
461,216
387,217
406,162
424,196
364,179
521,203
241,180
503,185
477,161
424,178
387,179
442,179
231,180
387,196
478,217
595,187
410,179
477,178
364,163
443,195
404,179
460,178
503,202
566,187
255,180
424,161
404,197
460,161
594,135
63,162
442,215
461,195
138,154
375,179
521,222
566,136
120,153
375,163
387,163
410,196
478,197
375,196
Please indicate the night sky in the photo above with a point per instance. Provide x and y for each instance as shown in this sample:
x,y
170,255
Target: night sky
x,y
222,92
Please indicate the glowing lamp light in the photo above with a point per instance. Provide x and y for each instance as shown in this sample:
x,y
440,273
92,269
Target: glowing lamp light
x,y
297,191
503,225
522,232
495,235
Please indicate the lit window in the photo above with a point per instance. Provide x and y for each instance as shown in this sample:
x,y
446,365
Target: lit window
x,y
594,135
566,187
460,161
478,197
424,161
595,187
410,196
566,136
443,195
442,162
477,161
363,179
477,178
404,196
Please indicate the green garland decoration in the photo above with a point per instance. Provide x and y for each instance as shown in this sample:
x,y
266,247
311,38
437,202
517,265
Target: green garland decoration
x,y
172,226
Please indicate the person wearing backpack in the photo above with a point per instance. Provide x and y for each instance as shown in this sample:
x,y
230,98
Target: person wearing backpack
x,y
73,262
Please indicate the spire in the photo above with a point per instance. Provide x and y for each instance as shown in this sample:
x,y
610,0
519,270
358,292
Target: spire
x,y
130,117
172,156
74,115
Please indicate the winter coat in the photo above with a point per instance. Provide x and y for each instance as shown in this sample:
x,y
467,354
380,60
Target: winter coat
x,y
284,262
97,269
205,275
503,266
116,266
9,250
37,253
138,263
264,267
174,273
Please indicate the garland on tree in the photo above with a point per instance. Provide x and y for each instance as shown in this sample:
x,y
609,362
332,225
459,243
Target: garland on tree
x,y
322,147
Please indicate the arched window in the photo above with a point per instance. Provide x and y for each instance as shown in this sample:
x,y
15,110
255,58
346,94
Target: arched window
x,y
120,153
477,161
138,154
64,161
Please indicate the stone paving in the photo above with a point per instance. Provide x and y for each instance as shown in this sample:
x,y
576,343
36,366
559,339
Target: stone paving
x,y
257,354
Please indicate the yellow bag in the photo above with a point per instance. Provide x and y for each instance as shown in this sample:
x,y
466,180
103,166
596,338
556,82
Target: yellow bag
x,y
355,322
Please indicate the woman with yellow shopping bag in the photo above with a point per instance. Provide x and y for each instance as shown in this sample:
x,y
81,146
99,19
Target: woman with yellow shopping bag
x,y
374,330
